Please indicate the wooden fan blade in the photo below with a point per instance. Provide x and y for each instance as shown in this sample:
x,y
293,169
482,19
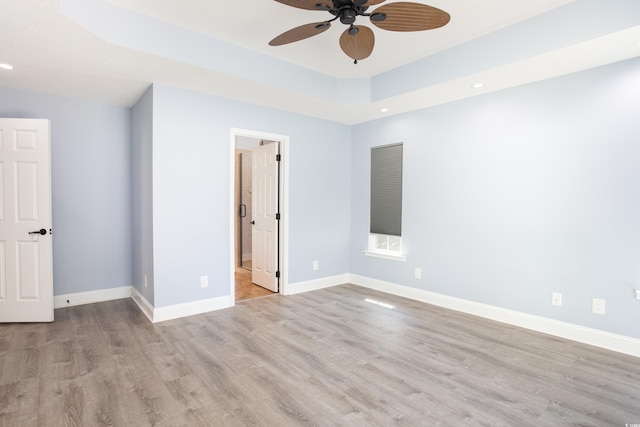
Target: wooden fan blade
x,y
308,4
360,45
300,33
408,16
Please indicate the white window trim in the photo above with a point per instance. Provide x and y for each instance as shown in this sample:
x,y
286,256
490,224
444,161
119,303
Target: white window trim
x,y
385,255
373,250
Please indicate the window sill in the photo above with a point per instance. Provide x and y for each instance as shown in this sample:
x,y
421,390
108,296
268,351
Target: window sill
x,y
392,257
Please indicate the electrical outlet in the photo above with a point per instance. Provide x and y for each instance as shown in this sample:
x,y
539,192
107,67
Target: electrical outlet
x,y
315,264
598,306
418,273
638,294
204,281
556,299
145,281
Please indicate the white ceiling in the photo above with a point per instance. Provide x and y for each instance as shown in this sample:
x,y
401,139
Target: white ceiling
x,y
258,21
53,53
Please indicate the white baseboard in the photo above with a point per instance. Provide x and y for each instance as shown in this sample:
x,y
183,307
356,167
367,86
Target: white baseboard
x,y
191,308
89,297
143,304
313,285
595,337
178,310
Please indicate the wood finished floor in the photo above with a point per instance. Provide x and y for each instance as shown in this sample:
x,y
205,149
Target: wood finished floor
x,y
245,288
325,358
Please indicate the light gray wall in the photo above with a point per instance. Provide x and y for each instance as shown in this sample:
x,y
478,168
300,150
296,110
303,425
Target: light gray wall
x,y
91,188
508,196
191,191
141,194
511,196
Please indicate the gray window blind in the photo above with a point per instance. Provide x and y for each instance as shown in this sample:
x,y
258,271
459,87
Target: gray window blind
x,y
386,190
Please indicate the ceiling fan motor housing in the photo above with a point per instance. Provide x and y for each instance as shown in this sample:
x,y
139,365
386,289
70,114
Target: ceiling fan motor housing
x,y
348,16
346,10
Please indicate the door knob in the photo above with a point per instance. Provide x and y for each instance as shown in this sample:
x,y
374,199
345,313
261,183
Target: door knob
x,y
253,222
42,231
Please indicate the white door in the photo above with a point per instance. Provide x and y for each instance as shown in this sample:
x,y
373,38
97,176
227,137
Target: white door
x,y
265,207
26,273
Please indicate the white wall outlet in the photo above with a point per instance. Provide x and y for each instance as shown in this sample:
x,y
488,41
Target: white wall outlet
x,y
556,299
418,273
145,281
315,264
638,294
204,281
598,306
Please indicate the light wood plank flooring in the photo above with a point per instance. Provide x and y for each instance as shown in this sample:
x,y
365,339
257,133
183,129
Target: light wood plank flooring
x,y
325,358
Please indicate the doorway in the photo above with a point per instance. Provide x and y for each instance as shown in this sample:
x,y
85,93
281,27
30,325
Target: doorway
x,y
259,222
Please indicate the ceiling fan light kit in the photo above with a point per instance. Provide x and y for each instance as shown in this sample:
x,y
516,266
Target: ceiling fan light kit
x,y
357,41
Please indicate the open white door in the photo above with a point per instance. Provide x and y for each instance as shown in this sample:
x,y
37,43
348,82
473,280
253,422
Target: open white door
x,y
26,271
265,224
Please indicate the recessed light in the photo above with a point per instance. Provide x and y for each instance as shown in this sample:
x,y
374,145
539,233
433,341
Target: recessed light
x,y
384,110
477,85
6,66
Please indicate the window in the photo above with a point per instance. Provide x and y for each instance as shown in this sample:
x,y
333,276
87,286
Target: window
x,y
386,202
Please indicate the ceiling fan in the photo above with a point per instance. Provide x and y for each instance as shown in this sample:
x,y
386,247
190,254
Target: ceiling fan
x,y
357,41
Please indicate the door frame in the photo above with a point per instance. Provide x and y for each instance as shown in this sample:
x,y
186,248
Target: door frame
x,y
284,207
